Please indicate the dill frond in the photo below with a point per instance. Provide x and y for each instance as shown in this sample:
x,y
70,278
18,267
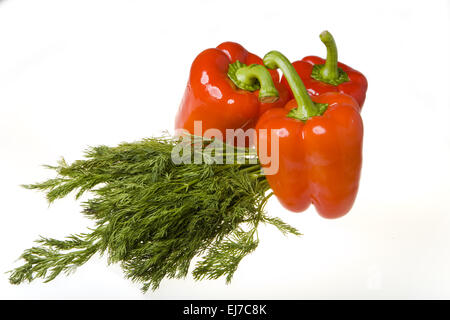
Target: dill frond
x,y
153,216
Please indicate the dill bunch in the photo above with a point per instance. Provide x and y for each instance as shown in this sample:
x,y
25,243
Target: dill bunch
x,y
154,216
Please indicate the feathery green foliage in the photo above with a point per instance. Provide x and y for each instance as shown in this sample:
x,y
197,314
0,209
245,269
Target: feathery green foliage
x,y
154,216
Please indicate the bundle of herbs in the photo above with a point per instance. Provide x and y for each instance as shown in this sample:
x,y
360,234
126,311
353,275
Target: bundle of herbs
x,y
154,215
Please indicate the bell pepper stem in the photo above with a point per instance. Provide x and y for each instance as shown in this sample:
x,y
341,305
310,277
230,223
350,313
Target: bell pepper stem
x,y
330,69
252,78
329,72
306,108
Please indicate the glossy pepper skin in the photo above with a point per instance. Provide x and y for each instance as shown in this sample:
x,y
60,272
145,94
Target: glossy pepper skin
x,y
355,84
213,98
320,154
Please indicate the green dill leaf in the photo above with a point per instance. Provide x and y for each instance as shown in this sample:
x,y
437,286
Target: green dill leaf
x,y
154,216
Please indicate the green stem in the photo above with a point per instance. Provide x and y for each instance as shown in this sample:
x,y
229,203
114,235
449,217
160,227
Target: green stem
x,y
255,167
254,77
306,108
330,70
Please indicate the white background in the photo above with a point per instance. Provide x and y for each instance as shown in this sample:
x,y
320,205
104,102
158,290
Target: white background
x,y
80,73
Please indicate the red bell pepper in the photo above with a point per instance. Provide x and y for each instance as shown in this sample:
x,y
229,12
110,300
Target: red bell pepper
x,y
228,88
320,146
320,75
